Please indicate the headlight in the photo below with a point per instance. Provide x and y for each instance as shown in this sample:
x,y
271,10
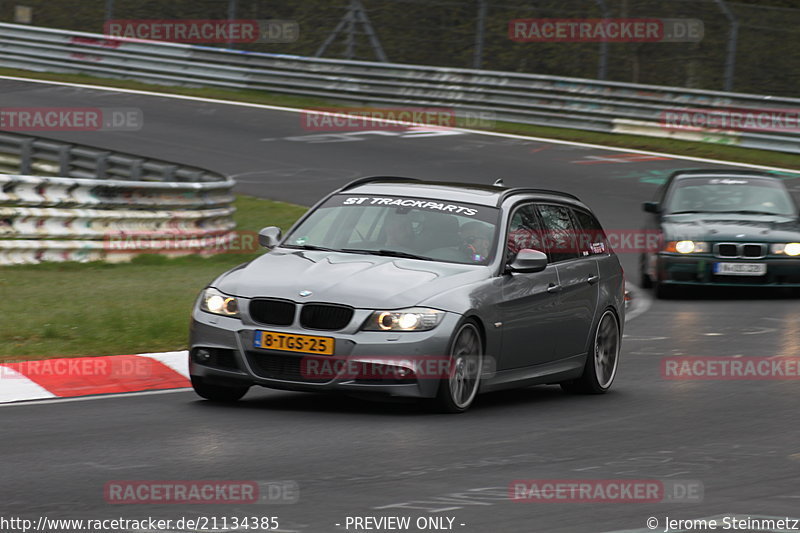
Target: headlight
x,y
219,303
416,319
686,247
791,249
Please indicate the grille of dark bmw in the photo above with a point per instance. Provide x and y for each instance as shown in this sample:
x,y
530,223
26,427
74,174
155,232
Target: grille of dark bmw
x,y
325,316
279,366
728,250
272,312
752,250
734,250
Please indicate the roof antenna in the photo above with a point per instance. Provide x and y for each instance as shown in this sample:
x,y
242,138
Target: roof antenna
x,y
499,183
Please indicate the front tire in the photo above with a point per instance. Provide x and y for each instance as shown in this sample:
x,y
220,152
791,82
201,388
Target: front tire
x,y
458,391
663,291
644,278
603,359
218,393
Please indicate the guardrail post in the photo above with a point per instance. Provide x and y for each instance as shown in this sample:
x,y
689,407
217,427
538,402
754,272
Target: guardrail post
x,y
168,174
101,165
25,156
64,160
136,170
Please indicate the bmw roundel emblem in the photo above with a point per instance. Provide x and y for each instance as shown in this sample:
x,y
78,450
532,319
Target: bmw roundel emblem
x,y
304,293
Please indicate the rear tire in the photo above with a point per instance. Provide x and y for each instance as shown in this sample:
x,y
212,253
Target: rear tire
x,y
218,393
457,393
602,360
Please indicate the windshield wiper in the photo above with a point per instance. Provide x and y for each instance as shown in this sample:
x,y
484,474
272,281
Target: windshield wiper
x,y
690,211
388,253
751,212
311,247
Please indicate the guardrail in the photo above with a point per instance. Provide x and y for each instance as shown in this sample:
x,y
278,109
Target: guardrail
x,y
601,106
101,205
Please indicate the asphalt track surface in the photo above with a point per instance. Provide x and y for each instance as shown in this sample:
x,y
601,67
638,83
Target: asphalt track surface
x,y
740,439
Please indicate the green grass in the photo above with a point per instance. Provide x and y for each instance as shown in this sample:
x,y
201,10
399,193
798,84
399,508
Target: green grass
x,y
654,144
75,309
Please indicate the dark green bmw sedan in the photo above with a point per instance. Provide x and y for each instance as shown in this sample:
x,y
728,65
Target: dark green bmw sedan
x,y
722,227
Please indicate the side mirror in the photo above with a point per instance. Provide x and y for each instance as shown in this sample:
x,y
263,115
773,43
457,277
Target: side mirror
x,y
269,237
651,207
528,261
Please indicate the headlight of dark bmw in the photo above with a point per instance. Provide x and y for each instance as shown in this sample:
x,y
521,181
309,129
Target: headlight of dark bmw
x,y
792,249
686,247
219,303
414,319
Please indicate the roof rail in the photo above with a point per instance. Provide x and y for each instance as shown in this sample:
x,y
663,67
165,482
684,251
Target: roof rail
x,y
369,179
523,190
721,171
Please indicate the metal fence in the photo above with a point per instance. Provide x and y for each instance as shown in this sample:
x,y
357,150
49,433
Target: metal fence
x,y
747,46
90,204
582,104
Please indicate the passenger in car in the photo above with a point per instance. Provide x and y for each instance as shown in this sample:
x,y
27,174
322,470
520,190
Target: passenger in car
x,y
476,239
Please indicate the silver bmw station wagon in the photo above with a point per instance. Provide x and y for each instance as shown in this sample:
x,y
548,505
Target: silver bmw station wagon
x,y
410,288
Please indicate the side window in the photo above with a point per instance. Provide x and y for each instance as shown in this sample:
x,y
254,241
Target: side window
x,y
592,239
524,231
560,232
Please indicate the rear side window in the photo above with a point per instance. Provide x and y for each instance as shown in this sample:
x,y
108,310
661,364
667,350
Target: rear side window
x,y
560,232
592,239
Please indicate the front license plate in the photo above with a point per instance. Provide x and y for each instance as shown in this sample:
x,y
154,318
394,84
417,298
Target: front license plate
x,y
273,340
740,269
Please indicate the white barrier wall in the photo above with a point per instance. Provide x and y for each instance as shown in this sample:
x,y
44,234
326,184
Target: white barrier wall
x,y
45,218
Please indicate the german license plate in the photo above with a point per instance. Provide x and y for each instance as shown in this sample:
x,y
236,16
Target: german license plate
x,y
287,342
740,269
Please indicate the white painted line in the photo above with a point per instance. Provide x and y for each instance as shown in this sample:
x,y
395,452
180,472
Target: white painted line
x,y
97,397
475,132
15,387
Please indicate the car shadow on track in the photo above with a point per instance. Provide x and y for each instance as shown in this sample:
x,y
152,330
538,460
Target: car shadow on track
x,y
488,403
680,292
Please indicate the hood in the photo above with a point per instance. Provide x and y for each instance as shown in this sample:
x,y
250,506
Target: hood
x,y
360,281
731,227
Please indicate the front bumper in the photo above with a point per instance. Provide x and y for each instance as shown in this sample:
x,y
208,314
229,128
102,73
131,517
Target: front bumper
x,y
698,269
235,361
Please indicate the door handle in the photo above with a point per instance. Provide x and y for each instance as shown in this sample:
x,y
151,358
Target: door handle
x,y
593,279
553,288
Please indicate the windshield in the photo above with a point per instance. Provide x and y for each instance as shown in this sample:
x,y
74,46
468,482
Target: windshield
x,y
412,227
729,195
